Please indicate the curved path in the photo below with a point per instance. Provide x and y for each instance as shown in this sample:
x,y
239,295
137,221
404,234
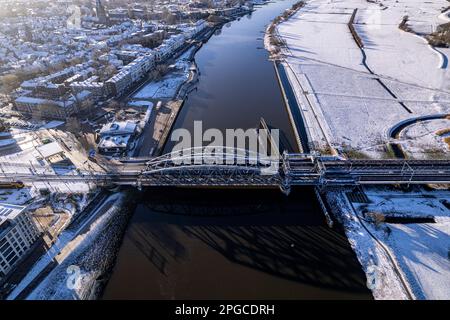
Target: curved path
x,y
395,131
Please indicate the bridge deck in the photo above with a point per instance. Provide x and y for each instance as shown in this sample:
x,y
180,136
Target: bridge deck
x,y
244,169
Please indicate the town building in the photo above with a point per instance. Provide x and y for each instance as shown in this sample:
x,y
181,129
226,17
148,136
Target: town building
x,y
118,15
18,232
119,83
118,128
51,152
44,108
116,137
233,11
98,89
59,108
169,47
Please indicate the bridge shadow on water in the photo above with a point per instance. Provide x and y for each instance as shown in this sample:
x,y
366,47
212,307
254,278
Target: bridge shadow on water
x,y
263,231
308,255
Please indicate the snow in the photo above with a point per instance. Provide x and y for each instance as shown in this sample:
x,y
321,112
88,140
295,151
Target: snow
x,y
53,124
167,87
164,88
423,136
343,103
16,196
385,283
29,160
400,50
420,250
50,149
140,103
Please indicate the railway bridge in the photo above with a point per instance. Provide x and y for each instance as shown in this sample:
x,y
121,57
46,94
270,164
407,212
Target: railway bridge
x,y
231,167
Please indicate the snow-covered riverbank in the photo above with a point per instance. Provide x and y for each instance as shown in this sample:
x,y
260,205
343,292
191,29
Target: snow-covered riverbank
x,y
356,75
351,97
81,256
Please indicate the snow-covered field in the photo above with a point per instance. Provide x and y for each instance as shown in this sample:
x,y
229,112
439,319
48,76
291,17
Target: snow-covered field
x,y
352,105
162,89
418,250
385,283
167,87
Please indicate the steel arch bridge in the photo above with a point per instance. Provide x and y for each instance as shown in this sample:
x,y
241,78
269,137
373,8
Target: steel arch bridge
x,y
211,166
228,167
222,166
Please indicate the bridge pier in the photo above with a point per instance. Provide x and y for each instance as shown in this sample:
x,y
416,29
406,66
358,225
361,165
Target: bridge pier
x,y
330,221
285,188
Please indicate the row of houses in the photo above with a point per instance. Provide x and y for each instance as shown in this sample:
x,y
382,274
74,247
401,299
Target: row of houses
x,y
72,90
60,108
140,66
52,96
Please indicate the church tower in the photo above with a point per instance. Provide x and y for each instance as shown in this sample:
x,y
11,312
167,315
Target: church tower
x,y
101,13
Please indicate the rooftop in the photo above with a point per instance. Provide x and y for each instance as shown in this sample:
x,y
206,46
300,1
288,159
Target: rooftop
x,y
50,149
118,128
120,141
8,212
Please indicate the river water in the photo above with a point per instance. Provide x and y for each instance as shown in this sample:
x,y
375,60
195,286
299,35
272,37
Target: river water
x,y
209,244
238,84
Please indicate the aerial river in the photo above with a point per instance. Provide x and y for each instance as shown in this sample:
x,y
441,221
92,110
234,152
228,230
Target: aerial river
x,y
210,244
238,84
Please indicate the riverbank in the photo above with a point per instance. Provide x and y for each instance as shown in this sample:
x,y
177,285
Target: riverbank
x,y
95,274
400,238
352,86
262,244
95,234
170,95
305,126
346,112
272,43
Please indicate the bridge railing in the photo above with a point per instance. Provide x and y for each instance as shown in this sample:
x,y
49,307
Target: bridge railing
x,y
214,155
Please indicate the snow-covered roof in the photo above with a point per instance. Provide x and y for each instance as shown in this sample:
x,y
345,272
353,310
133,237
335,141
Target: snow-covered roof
x,y
140,103
8,212
118,128
39,101
119,141
50,149
84,95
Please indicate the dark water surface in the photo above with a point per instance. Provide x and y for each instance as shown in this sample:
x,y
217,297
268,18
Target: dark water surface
x,y
209,244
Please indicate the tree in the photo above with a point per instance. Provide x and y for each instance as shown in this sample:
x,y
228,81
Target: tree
x,y
159,71
106,73
90,107
8,83
73,125
168,17
114,104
